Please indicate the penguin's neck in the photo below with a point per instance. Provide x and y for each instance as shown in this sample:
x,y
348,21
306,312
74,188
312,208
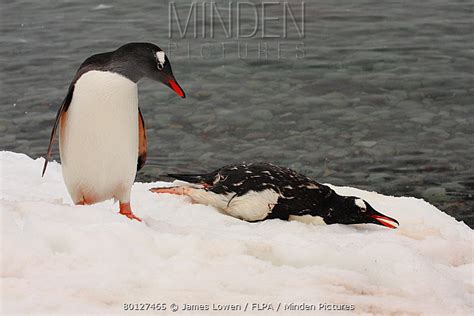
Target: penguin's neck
x,y
329,200
105,80
105,89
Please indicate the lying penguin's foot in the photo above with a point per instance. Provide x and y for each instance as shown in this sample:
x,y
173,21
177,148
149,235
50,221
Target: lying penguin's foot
x,y
171,190
126,210
183,191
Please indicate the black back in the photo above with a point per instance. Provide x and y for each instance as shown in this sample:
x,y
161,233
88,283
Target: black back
x,y
299,195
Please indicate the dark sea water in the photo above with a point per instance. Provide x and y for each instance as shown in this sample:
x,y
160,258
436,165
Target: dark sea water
x,y
377,94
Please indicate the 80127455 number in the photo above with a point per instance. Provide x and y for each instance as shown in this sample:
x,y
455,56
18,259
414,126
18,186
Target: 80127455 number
x,y
144,306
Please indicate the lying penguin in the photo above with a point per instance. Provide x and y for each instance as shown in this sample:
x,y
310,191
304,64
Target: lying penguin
x,y
102,139
260,191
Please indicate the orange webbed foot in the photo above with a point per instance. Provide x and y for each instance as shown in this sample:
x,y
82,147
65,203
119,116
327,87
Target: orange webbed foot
x,y
171,190
126,210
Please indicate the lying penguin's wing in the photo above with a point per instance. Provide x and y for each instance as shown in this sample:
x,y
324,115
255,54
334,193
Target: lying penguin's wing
x,y
142,144
62,109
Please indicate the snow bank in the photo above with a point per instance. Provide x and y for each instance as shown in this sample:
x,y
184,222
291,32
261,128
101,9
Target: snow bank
x,y
58,258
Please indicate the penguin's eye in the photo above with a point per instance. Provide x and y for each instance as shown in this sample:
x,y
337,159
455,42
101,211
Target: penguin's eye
x,y
160,60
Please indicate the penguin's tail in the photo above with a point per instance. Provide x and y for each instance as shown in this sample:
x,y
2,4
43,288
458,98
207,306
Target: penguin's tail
x,y
191,178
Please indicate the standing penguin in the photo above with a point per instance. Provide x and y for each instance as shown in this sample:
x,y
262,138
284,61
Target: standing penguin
x,y
102,139
261,191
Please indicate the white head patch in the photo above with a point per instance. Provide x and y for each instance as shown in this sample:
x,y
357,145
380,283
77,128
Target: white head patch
x,y
360,203
160,57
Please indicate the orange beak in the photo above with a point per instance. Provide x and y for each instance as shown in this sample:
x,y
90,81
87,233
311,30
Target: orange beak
x,y
386,221
175,86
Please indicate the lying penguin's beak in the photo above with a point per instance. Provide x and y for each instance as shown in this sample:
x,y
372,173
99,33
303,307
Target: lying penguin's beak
x,y
385,221
171,82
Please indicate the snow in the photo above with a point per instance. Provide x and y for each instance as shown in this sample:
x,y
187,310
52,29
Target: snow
x,y
58,258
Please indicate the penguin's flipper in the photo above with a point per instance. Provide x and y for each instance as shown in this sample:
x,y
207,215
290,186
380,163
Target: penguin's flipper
x,y
62,109
142,144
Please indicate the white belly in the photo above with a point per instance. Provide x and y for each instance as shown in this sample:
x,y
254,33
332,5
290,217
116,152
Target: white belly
x,y
99,138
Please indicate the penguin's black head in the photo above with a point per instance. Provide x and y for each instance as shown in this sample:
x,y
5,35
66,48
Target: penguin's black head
x,y
354,210
139,60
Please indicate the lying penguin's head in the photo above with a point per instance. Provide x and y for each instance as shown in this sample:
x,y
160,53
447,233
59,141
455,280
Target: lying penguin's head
x,y
354,210
145,60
